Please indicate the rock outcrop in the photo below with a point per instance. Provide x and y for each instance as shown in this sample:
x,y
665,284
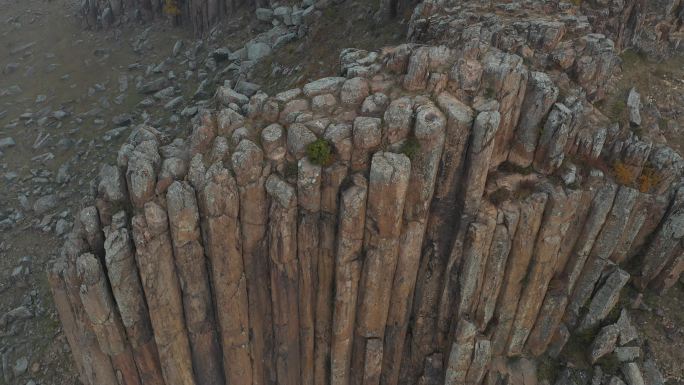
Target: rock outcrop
x,y
407,222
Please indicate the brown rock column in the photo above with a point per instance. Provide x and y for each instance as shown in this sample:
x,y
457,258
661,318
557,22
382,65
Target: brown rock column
x,y
429,131
559,212
331,179
67,318
141,176
128,293
601,251
461,353
250,174
480,151
96,364
531,212
550,318
388,182
347,274
553,139
442,223
476,247
507,223
309,199
284,278
101,310
665,241
192,271
598,212
540,95
506,76
90,220
219,204
154,255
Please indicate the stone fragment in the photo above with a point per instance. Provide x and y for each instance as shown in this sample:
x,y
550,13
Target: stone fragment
x,y
634,106
330,85
632,374
604,343
553,139
605,299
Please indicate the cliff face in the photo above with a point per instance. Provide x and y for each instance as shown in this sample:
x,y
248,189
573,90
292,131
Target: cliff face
x,y
427,217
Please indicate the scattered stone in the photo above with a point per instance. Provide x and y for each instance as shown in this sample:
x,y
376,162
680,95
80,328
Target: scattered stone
x,y
634,105
45,204
20,366
632,374
627,353
7,142
604,343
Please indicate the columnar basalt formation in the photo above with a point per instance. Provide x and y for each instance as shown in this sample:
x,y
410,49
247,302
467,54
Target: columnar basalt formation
x,y
408,222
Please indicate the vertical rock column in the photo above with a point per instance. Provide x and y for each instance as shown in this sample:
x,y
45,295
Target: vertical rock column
x,y
539,98
505,75
461,353
389,176
128,293
665,241
429,132
347,274
442,221
284,278
219,204
476,246
250,174
96,364
154,255
531,212
573,252
482,144
101,310
192,271
331,179
559,213
507,223
601,251
309,199
67,317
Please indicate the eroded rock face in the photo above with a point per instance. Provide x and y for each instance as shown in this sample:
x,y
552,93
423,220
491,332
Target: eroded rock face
x,y
435,244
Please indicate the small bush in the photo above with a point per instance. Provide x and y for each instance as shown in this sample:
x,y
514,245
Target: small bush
x,y
649,179
410,147
171,8
320,152
623,174
512,168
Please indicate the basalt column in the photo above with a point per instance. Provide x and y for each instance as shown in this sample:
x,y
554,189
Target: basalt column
x,y
250,174
429,132
388,182
154,255
128,293
282,236
219,204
